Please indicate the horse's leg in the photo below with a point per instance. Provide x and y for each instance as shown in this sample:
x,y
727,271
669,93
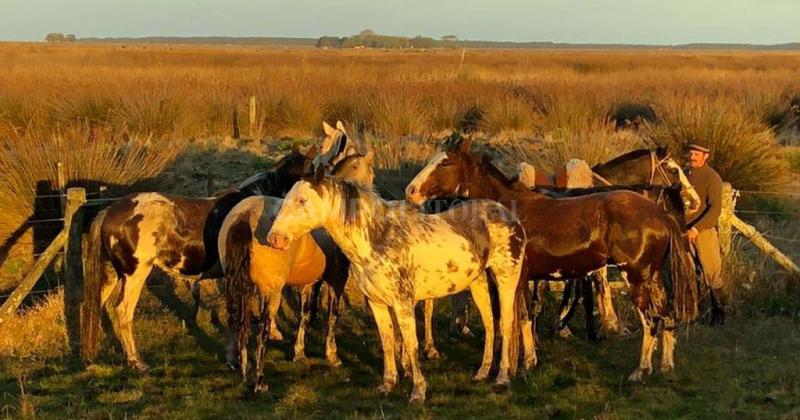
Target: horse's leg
x,y
668,342
269,311
305,316
482,299
408,328
383,320
460,303
331,352
506,292
608,317
124,311
567,308
640,294
274,332
588,309
430,349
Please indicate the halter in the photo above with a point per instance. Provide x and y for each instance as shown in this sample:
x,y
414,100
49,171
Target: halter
x,y
656,166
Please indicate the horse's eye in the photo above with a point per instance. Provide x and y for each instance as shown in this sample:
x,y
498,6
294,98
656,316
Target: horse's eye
x,y
301,201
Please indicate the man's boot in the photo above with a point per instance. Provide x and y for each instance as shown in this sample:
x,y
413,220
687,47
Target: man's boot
x,y
719,302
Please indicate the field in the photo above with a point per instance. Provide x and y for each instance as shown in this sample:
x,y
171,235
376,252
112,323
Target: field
x,y
144,117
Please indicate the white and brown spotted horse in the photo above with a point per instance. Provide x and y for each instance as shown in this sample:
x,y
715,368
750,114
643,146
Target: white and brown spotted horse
x,y
175,233
570,237
251,266
399,256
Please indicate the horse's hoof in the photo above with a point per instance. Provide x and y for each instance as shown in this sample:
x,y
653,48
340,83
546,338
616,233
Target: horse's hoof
x,y
386,388
565,333
667,369
138,365
260,387
531,363
417,397
233,366
480,376
500,387
334,362
638,375
275,335
299,357
431,353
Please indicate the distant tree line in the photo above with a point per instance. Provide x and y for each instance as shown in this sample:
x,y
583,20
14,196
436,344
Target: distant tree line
x,y
59,37
369,39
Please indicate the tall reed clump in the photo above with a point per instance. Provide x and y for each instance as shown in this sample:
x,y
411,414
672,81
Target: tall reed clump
x,y
744,150
89,157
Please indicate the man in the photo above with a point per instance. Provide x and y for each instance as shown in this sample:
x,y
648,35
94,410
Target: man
x,y
702,225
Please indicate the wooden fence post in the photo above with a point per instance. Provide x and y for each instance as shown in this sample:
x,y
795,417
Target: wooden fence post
x,y
19,294
767,248
724,223
253,117
73,264
235,122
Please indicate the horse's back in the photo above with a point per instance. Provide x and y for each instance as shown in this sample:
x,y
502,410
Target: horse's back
x,y
163,229
302,263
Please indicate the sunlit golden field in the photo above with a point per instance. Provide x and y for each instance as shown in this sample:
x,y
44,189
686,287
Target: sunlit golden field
x,y
155,117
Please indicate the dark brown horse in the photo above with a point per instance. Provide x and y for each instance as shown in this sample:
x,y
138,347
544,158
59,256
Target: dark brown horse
x,y
571,237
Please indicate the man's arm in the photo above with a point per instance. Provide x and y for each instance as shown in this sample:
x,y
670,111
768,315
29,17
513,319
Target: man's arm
x,y
709,219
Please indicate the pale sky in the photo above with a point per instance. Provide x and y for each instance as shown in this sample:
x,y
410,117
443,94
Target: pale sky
x,y
579,21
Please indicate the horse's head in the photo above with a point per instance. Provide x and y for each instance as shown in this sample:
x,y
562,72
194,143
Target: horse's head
x,y
357,169
336,146
303,209
446,174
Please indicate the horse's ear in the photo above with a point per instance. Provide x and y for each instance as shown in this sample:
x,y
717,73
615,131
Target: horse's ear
x,y
319,173
340,126
329,131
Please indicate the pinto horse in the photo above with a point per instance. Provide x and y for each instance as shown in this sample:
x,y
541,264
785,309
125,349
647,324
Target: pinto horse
x,y
251,265
400,255
570,237
175,233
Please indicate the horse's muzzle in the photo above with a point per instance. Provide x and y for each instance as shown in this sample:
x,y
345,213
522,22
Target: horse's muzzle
x,y
413,195
278,240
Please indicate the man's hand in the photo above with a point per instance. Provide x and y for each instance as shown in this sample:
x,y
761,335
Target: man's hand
x,y
692,234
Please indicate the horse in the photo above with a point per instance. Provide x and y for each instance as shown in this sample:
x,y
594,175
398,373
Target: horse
x,y
570,237
178,234
646,171
400,255
251,265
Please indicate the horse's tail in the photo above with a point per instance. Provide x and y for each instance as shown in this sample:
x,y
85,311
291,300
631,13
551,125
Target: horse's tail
x,y
681,275
239,288
95,261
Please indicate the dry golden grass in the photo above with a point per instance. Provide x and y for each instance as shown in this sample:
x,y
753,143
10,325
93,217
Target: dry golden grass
x,y
549,106
39,332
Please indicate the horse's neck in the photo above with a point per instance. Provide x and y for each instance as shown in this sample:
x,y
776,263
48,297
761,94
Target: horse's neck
x,y
354,238
635,172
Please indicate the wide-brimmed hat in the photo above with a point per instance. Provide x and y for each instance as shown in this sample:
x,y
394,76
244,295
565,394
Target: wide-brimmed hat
x,y
699,147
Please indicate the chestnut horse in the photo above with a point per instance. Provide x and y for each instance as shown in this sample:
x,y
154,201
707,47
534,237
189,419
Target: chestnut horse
x,y
571,237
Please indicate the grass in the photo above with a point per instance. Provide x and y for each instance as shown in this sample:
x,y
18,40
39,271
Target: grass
x,y
748,368
165,113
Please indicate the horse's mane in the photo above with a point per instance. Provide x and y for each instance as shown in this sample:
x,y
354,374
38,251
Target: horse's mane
x,y
352,196
661,153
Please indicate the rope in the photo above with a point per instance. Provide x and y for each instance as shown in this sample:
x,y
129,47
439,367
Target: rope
x,y
766,212
769,193
45,220
781,238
